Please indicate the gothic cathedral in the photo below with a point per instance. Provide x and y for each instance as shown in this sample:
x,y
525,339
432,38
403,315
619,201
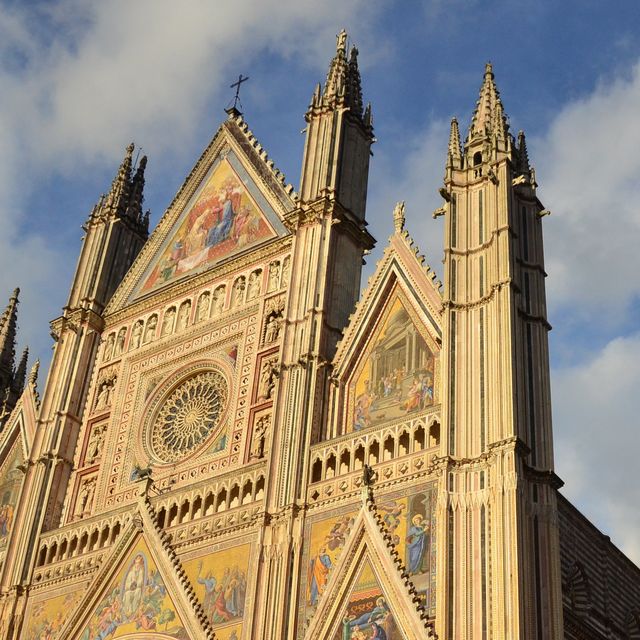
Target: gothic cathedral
x,y
233,442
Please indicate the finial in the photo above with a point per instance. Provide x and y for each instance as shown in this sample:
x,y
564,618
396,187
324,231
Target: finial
x,y
33,374
130,147
488,69
341,41
398,217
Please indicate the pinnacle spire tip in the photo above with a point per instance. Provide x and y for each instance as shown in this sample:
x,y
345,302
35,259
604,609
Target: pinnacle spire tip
x,y
398,217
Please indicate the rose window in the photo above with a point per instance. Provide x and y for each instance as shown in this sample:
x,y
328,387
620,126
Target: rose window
x,y
188,416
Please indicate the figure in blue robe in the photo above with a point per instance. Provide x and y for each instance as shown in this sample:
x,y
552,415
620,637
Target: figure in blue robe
x,y
416,544
222,230
379,612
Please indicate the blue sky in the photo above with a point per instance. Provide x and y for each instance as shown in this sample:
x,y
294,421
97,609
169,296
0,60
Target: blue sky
x,y
79,80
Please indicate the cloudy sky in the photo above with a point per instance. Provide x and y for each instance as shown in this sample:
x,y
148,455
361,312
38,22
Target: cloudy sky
x,y
79,80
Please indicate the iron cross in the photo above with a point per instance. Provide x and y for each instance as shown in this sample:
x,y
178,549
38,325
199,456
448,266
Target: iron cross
x,y
237,84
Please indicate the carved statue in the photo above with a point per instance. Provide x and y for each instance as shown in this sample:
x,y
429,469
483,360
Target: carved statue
x,y
203,307
254,285
150,332
136,335
274,276
260,433
94,447
104,395
183,316
218,300
286,268
85,497
167,321
120,340
108,347
237,293
268,376
272,330
368,476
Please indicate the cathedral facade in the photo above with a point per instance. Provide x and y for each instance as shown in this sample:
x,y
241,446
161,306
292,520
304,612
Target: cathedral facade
x,y
233,442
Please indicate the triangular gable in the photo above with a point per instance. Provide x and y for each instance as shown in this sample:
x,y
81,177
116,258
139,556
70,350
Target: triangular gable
x,y
368,588
22,420
135,593
402,268
232,202
388,359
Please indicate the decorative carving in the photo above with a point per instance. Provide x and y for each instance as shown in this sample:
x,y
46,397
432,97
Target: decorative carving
x,y
94,447
189,416
237,293
168,321
184,315
202,310
136,335
253,290
85,497
259,438
268,378
274,276
150,331
120,340
108,347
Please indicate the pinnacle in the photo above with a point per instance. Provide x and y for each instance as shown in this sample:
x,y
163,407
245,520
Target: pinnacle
x,y
454,154
489,119
343,84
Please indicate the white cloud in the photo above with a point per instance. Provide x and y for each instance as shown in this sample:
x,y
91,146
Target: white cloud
x,y
596,410
589,163
79,80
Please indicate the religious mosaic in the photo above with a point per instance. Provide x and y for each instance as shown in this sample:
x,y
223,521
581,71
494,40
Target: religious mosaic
x,y
10,480
220,582
409,519
368,616
396,377
46,618
222,219
137,602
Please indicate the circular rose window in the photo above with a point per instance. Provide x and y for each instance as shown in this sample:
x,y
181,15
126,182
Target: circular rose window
x,y
188,416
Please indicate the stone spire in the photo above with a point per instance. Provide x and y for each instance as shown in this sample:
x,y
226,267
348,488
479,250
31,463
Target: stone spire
x,y
489,119
134,210
343,86
8,326
124,200
523,154
454,157
21,373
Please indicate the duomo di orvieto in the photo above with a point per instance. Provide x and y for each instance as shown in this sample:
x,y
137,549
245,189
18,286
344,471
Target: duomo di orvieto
x,y
234,442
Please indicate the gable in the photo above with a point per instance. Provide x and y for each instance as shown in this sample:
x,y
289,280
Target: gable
x,y
10,482
136,601
395,376
226,215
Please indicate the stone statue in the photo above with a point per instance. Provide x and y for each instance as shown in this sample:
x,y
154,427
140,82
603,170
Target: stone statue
x,y
120,340
85,497
267,382
104,395
167,321
108,347
218,300
94,447
260,433
254,285
274,276
272,330
203,307
136,335
286,268
183,317
150,332
237,293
